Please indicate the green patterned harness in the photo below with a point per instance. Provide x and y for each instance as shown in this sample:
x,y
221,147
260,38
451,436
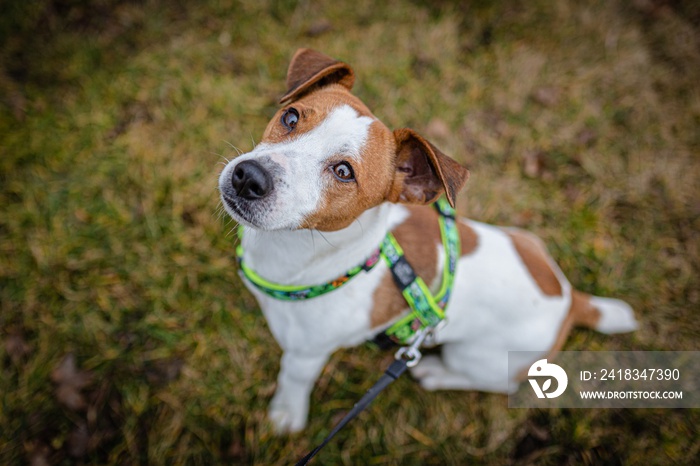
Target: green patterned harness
x,y
427,310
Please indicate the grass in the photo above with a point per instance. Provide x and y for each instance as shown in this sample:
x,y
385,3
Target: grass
x,y
126,336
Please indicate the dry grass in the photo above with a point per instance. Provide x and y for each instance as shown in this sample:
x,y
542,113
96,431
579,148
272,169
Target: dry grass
x,y
126,335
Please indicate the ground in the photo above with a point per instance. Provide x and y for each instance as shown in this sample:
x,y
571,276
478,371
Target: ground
x,y
125,334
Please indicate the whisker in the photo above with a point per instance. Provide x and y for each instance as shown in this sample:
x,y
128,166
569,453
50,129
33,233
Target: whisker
x,y
326,239
221,156
221,214
362,227
232,233
234,147
313,241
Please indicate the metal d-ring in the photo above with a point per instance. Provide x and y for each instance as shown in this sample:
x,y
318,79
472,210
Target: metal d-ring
x,y
411,354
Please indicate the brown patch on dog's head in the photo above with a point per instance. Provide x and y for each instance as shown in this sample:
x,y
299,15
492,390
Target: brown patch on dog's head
x,y
342,203
323,128
399,167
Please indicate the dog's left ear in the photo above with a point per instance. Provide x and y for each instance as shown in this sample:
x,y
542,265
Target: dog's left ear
x,y
423,173
310,69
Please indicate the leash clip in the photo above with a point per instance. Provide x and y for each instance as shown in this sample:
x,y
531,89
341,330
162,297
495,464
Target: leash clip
x,y
411,354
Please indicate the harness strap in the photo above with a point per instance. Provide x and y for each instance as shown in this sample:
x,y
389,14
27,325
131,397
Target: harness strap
x,y
427,310
297,293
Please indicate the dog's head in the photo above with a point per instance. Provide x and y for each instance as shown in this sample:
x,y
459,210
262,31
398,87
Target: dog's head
x,y
324,158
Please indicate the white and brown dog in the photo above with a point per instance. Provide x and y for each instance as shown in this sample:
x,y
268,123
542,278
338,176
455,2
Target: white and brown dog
x,y
316,197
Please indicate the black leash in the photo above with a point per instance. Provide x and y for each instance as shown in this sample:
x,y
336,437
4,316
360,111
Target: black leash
x,y
405,357
396,368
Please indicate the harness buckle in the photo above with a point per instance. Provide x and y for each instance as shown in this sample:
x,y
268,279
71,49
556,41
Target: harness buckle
x,y
411,354
431,339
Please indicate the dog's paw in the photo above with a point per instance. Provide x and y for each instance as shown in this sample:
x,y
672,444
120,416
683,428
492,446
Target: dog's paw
x,y
431,383
286,419
432,374
428,366
429,372
284,422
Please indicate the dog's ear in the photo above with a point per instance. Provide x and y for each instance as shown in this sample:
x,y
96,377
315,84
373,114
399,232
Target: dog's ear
x,y
423,173
310,69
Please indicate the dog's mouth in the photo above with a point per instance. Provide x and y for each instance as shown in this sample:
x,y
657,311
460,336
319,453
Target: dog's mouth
x,y
237,211
254,214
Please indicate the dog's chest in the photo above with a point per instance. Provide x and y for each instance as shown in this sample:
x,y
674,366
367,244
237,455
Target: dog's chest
x,y
339,318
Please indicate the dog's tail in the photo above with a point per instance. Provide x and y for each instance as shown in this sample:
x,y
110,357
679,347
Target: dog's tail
x,y
606,315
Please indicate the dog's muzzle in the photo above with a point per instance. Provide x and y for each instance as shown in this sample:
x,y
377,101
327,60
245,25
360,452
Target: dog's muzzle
x,y
250,181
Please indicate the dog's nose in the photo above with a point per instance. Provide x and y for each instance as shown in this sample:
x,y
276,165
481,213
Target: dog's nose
x,y
250,180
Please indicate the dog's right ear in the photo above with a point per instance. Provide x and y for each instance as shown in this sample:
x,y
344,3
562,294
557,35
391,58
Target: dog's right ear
x,y
423,172
310,69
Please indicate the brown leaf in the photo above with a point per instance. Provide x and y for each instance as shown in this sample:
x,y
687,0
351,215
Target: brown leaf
x,y
236,451
78,441
437,129
586,137
572,193
16,348
164,371
18,104
67,373
540,433
82,215
70,398
523,218
534,164
319,27
38,455
547,96
70,381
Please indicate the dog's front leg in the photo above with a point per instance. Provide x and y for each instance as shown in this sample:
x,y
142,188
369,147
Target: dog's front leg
x,y
289,407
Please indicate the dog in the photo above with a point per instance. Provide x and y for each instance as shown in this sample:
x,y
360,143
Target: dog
x,y
315,199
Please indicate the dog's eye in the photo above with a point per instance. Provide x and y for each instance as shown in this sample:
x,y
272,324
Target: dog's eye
x,y
343,171
290,118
